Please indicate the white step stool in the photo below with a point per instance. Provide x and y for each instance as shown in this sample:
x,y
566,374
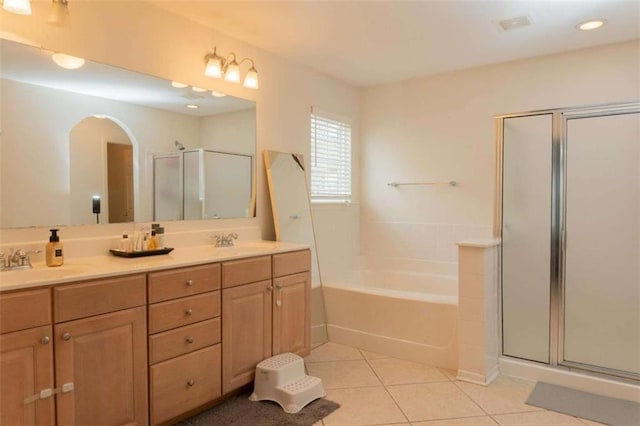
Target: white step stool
x,y
282,379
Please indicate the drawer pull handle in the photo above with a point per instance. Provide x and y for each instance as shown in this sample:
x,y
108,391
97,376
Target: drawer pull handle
x,y
189,283
45,340
66,336
190,382
189,339
189,312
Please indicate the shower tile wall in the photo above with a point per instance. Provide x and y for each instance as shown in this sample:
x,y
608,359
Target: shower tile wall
x,y
426,241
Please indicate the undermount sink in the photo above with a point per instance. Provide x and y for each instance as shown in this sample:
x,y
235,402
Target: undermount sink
x,y
43,272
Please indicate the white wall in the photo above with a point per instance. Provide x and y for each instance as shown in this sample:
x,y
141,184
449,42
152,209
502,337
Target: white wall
x,y
143,38
233,132
88,167
440,128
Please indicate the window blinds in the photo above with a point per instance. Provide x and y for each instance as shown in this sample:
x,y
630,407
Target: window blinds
x,y
330,158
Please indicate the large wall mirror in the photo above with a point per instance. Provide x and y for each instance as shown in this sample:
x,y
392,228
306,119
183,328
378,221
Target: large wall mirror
x,y
69,136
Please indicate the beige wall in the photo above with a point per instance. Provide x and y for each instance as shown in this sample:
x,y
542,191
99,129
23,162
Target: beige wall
x,y
146,39
441,128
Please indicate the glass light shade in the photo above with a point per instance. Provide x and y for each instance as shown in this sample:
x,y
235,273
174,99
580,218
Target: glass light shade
x,y
67,61
21,7
218,94
198,89
251,79
178,85
214,67
59,14
592,24
232,74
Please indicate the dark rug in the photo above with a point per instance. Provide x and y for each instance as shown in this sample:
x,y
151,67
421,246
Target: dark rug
x,y
239,411
611,411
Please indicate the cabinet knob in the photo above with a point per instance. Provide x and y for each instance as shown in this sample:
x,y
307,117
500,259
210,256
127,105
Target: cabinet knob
x,y
190,382
189,339
189,283
279,286
66,336
45,340
269,288
189,311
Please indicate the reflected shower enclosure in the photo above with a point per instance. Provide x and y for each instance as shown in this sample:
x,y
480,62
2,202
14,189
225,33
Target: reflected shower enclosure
x,y
202,184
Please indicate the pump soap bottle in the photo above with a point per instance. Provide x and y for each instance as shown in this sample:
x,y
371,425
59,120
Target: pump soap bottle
x,y
53,250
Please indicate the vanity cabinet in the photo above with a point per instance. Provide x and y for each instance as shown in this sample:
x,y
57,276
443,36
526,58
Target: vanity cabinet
x,y
264,314
26,358
184,340
100,352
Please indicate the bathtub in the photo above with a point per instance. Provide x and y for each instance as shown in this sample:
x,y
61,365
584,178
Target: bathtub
x,y
407,309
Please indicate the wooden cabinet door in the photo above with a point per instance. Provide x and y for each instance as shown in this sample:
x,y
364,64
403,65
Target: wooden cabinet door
x,y
246,332
105,358
26,368
292,314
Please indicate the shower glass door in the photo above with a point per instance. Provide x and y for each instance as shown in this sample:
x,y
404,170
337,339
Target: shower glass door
x,y
600,311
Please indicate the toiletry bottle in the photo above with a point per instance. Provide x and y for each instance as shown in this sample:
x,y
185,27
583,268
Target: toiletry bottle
x,y
160,237
53,250
152,243
125,244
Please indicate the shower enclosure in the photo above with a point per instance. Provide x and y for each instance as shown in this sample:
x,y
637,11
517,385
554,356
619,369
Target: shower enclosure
x,y
202,184
569,218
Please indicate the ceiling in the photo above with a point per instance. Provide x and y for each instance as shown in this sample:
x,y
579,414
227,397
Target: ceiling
x,y
371,42
32,65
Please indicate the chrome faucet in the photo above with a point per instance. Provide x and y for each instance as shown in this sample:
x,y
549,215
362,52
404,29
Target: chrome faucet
x,y
223,240
17,259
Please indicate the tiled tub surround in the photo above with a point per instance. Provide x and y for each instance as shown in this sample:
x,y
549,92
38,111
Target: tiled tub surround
x,y
400,307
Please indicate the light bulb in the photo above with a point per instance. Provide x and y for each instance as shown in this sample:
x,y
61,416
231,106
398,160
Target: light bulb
x,y
232,73
21,7
198,89
214,67
251,79
67,61
178,85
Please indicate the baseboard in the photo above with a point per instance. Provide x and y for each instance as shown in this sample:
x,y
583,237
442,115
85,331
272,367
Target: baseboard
x,y
571,379
478,379
319,335
397,348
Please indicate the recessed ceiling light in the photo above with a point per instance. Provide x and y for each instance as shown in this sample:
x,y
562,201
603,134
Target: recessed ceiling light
x,y
67,61
198,89
591,24
192,106
218,94
178,85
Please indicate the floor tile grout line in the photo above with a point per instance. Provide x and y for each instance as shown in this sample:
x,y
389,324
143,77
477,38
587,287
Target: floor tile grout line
x,y
471,399
388,393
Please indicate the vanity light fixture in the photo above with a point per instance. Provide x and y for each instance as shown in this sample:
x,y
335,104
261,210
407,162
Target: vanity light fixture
x,y
218,94
59,14
591,24
178,85
21,7
229,68
67,61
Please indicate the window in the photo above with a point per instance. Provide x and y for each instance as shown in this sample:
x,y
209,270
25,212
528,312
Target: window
x,y
330,158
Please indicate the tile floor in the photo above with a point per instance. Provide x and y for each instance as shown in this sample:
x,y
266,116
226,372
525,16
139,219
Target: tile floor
x,y
374,389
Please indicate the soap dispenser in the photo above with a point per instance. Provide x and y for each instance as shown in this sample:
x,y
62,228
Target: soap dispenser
x,y
53,250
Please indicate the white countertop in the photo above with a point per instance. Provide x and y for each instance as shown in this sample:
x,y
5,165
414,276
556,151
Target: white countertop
x,y
88,268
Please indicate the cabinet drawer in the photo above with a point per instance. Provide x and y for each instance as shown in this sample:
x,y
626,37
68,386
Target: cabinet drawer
x,y
24,309
184,383
291,263
172,343
183,282
188,310
98,297
246,271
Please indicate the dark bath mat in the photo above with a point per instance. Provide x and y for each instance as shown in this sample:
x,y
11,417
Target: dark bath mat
x,y
239,411
611,411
